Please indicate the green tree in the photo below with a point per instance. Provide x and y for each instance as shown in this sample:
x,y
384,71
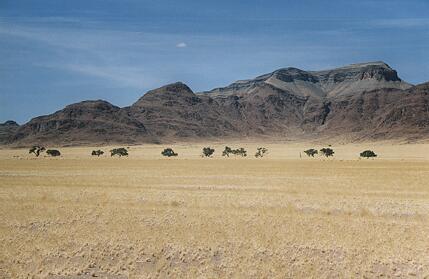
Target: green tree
x,y
260,152
119,152
36,150
227,151
53,152
208,152
97,153
168,152
368,154
327,152
311,152
239,151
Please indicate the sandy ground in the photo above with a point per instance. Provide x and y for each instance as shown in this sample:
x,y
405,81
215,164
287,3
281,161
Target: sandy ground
x,y
281,216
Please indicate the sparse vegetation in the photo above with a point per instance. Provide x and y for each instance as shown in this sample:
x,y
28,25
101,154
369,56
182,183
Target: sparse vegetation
x,y
97,153
260,152
36,150
119,152
115,213
53,152
168,152
311,152
368,154
208,152
239,151
327,152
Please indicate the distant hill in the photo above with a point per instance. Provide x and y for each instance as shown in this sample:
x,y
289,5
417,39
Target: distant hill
x,y
358,102
7,130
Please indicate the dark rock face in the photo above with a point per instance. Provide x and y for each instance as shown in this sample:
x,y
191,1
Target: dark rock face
x,y
174,111
85,122
378,71
7,130
9,123
293,74
357,102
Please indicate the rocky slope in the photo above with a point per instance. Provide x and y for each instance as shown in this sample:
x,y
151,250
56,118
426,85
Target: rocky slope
x,y
342,81
357,102
84,122
7,130
174,111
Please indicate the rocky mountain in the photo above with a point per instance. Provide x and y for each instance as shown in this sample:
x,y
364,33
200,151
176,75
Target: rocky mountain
x,y
174,111
342,81
7,130
84,122
358,102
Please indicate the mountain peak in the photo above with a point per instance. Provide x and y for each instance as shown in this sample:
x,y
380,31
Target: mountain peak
x,y
291,74
366,64
172,90
91,104
177,87
9,123
376,71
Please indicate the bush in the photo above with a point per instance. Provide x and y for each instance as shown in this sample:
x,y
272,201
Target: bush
x,y
53,152
119,151
368,154
168,152
97,152
311,152
36,150
227,151
327,152
240,151
208,152
260,152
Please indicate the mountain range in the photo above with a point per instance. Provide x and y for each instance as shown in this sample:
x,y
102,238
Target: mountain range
x,y
359,102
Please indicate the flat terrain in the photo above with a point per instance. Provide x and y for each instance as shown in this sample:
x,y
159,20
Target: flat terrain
x,y
281,216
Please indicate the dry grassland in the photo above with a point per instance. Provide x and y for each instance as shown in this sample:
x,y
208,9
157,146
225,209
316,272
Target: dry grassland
x,y
281,216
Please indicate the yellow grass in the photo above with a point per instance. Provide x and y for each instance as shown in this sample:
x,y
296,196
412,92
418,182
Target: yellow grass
x,y
281,216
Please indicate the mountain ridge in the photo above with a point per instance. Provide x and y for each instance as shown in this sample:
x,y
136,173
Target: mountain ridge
x,y
365,101
323,83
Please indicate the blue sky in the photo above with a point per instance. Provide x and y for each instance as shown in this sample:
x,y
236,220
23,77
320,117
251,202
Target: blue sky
x,y
57,52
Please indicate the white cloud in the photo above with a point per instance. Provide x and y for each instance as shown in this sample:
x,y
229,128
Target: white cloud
x,y
181,45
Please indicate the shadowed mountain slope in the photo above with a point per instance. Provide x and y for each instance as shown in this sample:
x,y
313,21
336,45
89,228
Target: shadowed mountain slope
x,y
7,130
84,122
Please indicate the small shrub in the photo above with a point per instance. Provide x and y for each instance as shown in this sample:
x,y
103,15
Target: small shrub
x,y
368,154
97,153
53,152
260,152
327,152
208,152
36,150
311,152
168,152
119,152
227,151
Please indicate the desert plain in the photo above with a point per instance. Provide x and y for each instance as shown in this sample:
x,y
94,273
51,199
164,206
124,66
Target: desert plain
x,y
281,216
